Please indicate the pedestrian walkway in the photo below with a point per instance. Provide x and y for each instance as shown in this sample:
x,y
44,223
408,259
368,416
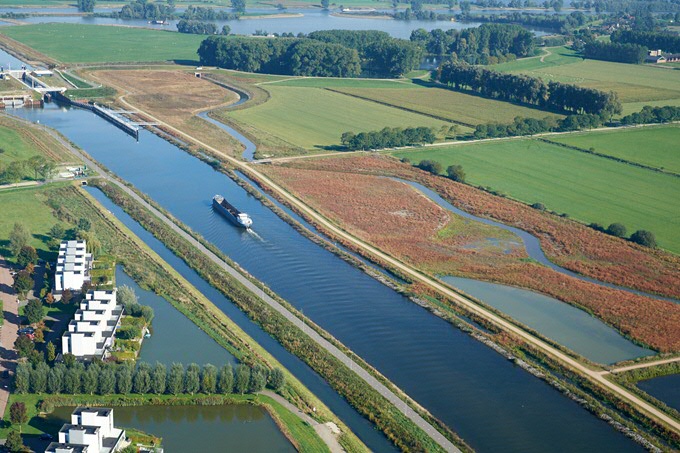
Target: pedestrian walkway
x,y
8,332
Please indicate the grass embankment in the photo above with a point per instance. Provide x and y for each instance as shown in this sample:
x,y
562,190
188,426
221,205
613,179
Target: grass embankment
x,y
79,43
656,147
21,141
38,405
152,273
636,85
586,187
312,118
376,408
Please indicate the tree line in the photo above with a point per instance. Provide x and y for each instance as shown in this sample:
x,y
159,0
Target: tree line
x,y
387,138
614,51
532,126
477,45
202,13
557,22
379,53
36,167
290,56
650,115
667,42
529,90
197,27
110,378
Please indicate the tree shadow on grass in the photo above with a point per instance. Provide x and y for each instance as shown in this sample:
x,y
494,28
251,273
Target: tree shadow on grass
x,y
187,62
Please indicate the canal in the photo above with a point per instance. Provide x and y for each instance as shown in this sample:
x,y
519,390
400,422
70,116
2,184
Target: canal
x,y
491,403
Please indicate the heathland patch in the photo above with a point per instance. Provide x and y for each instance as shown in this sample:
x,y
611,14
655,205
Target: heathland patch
x,y
587,187
397,219
315,118
78,43
653,146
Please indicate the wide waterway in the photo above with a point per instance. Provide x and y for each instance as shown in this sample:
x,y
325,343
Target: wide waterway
x,y
493,404
234,427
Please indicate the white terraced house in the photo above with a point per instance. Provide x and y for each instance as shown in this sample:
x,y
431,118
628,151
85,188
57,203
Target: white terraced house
x,y
91,431
73,267
91,331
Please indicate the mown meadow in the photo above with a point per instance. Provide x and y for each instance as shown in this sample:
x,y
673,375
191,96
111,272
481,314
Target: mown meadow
x,y
652,146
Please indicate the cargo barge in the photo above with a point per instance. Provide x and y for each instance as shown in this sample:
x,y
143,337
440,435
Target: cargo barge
x,y
239,218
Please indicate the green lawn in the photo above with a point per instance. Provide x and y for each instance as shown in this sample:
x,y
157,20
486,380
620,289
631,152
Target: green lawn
x,y
78,43
653,146
316,118
14,147
454,106
587,187
27,206
633,83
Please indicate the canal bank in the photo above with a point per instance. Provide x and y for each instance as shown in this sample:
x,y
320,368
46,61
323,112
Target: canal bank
x,y
405,350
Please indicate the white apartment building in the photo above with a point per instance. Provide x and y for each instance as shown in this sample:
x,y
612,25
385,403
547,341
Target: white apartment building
x,y
73,267
91,431
91,331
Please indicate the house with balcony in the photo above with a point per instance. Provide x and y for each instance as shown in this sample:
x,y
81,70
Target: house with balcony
x,y
91,431
73,267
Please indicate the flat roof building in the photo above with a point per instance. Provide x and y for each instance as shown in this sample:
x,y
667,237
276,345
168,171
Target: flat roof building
x,y
91,431
92,330
73,267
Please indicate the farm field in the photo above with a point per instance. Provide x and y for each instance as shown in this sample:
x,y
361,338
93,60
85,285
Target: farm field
x,y
653,146
79,43
633,83
458,107
586,187
312,118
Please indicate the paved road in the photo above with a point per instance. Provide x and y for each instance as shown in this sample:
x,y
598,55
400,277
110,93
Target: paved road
x,y
337,353
8,332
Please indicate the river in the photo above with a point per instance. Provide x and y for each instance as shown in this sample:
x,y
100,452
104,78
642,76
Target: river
x,y
237,427
491,403
302,21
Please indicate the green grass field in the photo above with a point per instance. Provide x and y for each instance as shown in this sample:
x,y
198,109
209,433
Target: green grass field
x,y
633,83
454,106
653,146
316,118
14,147
77,43
27,206
588,188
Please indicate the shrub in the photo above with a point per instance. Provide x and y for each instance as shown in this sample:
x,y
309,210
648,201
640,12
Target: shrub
x,y
129,332
431,166
456,173
644,237
538,206
617,229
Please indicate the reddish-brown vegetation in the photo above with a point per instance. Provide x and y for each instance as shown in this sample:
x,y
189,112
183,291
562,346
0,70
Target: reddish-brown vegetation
x,y
399,220
567,243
